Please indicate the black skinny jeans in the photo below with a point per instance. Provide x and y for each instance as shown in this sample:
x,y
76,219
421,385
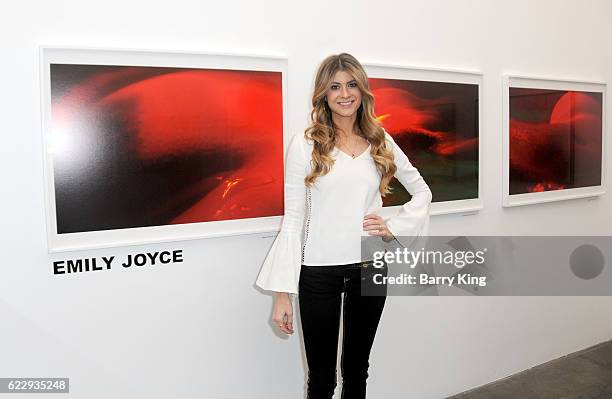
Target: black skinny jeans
x,y
320,297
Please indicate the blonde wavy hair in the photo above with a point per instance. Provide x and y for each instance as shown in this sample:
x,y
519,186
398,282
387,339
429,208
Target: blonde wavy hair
x,y
322,130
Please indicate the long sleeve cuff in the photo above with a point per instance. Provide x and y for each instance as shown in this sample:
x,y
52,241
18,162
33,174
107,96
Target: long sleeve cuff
x,y
411,225
281,269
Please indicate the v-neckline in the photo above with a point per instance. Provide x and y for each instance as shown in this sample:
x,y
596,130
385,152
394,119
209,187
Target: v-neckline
x,y
358,156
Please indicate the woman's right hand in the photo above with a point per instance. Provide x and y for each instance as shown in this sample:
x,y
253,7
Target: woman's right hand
x,y
282,315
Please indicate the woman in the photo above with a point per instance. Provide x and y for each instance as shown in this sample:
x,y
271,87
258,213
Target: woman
x,y
334,179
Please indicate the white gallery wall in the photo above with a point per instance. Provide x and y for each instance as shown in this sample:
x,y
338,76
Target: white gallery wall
x,y
200,329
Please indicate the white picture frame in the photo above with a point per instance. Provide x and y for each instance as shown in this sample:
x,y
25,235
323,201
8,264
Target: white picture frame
x,y
401,72
147,58
530,82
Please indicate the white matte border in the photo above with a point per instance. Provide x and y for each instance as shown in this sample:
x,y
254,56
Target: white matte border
x,y
160,58
518,81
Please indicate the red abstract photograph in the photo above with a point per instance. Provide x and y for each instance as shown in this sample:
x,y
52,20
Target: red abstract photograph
x,y
437,125
555,139
136,146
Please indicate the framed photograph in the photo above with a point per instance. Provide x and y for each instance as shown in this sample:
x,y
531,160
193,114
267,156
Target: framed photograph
x,y
147,146
435,117
554,133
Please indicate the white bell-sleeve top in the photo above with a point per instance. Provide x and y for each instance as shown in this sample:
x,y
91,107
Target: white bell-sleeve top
x,y
323,224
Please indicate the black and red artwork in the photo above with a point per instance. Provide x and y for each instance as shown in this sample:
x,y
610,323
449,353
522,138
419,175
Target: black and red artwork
x,y
437,125
137,146
555,139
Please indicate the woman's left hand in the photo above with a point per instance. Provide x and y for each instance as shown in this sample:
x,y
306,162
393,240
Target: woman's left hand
x,y
376,226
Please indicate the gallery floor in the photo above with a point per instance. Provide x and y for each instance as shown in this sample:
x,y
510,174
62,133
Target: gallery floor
x,y
586,374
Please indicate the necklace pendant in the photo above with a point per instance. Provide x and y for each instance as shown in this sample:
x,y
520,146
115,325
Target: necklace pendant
x,y
353,155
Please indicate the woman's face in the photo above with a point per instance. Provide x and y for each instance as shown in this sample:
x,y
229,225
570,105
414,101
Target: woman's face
x,y
343,95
